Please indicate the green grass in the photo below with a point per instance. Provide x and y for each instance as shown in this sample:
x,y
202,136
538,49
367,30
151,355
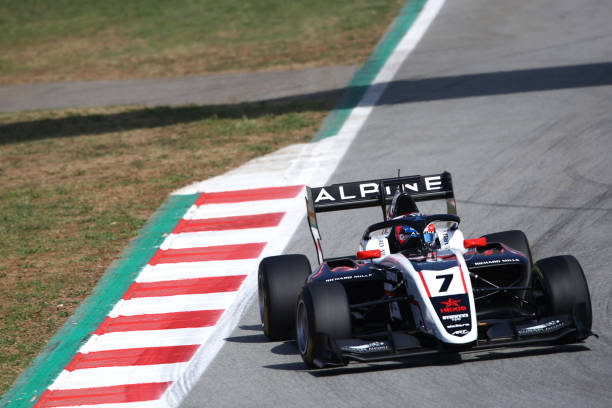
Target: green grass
x,y
45,40
78,185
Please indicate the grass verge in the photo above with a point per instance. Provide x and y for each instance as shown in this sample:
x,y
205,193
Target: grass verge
x,y
77,185
62,40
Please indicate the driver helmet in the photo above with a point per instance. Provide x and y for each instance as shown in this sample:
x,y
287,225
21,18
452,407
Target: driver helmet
x,y
429,235
407,237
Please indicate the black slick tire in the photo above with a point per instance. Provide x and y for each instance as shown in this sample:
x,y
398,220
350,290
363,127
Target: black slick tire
x,y
280,279
322,308
565,288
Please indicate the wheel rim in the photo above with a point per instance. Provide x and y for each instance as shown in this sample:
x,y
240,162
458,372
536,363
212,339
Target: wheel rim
x,y
302,328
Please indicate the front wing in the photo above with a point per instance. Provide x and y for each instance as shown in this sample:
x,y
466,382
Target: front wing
x,y
492,334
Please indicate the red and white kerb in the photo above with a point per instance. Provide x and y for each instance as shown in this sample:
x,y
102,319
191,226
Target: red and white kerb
x,y
168,313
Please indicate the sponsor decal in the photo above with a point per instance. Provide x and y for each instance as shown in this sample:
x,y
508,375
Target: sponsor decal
x,y
376,346
455,326
382,244
362,276
454,313
497,261
452,306
365,190
456,317
543,328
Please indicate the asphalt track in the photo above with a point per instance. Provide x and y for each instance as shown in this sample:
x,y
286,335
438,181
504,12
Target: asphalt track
x,y
515,100
211,89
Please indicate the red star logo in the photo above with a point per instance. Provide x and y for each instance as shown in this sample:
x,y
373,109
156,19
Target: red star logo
x,y
451,302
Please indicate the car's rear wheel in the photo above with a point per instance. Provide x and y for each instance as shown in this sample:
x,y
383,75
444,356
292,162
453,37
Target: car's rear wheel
x,y
322,308
565,290
280,279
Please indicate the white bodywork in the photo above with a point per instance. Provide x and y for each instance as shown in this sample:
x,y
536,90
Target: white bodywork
x,y
436,283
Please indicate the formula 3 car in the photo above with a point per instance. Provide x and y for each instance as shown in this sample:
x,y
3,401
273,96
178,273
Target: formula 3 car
x,y
416,286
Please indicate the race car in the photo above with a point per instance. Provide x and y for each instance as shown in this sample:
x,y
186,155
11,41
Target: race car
x,y
416,286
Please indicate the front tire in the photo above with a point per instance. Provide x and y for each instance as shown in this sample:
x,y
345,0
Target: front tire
x,y
280,279
322,308
565,288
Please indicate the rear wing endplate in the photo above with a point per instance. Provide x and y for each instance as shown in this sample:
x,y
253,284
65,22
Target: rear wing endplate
x,y
373,193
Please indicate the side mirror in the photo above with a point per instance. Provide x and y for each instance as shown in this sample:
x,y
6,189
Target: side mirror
x,y
474,242
372,253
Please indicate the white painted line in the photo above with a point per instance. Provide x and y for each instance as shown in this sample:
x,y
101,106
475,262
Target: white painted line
x,y
214,238
192,270
142,404
237,209
172,304
109,376
147,338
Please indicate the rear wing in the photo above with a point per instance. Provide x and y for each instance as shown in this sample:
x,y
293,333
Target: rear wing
x,y
373,193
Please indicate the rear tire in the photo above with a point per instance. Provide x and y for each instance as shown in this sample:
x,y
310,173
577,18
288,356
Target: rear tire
x,y
280,279
321,308
564,285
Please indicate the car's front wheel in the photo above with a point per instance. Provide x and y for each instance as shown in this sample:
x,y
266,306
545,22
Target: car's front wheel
x,y
322,308
279,281
564,286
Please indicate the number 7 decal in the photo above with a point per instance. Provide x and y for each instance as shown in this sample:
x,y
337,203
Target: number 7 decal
x,y
446,283
450,284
